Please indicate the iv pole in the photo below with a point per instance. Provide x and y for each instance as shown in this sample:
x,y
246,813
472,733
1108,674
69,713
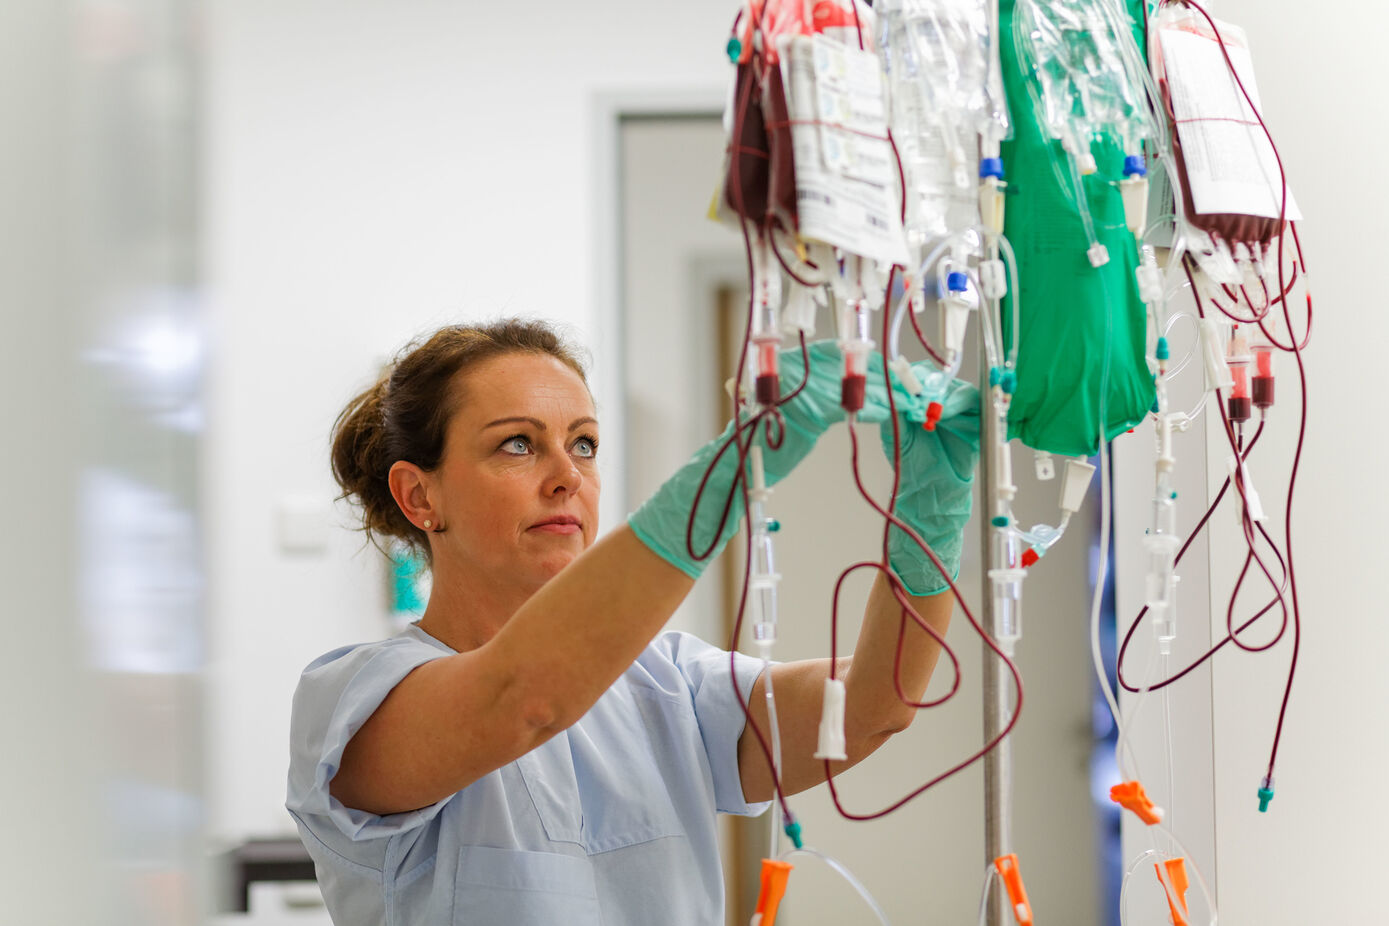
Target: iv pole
x,y
998,764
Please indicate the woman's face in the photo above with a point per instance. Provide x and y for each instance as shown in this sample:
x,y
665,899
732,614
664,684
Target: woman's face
x,y
519,477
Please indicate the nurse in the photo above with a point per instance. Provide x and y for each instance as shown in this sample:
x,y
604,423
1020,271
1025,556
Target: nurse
x,y
534,750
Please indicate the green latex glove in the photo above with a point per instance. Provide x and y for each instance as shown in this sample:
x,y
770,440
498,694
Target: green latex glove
x,y
661,522
937,475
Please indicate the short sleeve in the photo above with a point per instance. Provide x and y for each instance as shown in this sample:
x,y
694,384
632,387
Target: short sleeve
x,y
337,693
709,673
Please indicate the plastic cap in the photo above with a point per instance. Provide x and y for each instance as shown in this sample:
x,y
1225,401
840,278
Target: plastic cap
x,y
1076,484
1029,557
1000,521
793,833
832,744
995,376
933,413
1009,381
1265,795
734,49
957,282
1135,166
1163,352
991,167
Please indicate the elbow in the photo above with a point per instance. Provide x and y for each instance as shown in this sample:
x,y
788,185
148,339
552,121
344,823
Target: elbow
x,y
540,708
871,736
901,721
895,722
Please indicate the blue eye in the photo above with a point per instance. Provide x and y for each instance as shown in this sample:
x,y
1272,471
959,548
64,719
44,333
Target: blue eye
x,y
516,445
586,447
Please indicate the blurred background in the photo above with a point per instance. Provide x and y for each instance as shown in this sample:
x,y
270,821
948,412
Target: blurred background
x,y
219,219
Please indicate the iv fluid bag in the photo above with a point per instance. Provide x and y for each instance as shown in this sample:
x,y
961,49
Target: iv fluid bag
x,y
1076,319
945,95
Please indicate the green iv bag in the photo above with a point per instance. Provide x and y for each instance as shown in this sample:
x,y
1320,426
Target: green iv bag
x,y
1082,330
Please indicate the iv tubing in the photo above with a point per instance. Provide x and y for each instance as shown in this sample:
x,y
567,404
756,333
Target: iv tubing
x,y
916,280
775,734
845,873
990,875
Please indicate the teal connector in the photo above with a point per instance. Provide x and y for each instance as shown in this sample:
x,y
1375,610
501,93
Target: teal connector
x,y
734,49
773,525
793,832
1265,795
1000,521
1162,352
1010,381
995,376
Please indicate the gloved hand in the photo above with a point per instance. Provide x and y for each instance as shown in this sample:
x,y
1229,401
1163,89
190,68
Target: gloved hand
x,y
661,522
937,475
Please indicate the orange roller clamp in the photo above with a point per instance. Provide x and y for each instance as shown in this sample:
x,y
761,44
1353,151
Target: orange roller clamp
x,y
1007,866
1132,796
1176,898
774,875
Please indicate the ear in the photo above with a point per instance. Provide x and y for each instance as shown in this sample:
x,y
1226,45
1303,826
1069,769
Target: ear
x,y
411,488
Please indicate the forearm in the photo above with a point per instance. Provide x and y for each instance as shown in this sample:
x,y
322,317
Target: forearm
x,y
873,709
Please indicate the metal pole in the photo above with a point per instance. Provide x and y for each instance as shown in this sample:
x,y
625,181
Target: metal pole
x,y
998,764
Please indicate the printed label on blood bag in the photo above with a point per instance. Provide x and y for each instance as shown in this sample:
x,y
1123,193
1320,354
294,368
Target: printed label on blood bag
x,y
846,177
1230,164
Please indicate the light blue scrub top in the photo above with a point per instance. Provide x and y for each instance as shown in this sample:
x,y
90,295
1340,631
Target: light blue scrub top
x,y
611,822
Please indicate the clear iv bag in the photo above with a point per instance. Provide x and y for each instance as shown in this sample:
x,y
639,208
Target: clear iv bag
x,y
1089,77
947,95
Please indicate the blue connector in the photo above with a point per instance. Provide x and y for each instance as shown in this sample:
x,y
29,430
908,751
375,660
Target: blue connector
x,y
991,167
957,282
1135,166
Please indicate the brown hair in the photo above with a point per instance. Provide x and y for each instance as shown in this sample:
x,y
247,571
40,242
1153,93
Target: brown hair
x,y
405,415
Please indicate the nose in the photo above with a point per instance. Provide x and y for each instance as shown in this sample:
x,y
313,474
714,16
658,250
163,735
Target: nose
x,y
562,477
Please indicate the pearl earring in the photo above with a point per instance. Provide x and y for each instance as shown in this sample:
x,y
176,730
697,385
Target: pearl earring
x,y
428,525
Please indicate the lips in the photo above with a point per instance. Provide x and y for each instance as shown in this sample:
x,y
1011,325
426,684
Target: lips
x,y
559,524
